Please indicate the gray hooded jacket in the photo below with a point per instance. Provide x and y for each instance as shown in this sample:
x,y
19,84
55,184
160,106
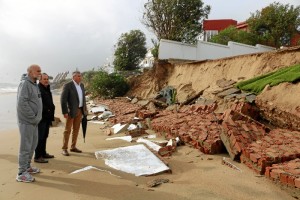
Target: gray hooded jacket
x,y
29,102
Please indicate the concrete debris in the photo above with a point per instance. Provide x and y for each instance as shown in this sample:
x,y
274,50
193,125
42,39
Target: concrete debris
x,y
229,164
136,159
98,109
119,128
92,167
157,182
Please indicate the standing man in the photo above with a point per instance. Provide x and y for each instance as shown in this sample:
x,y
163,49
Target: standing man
x,y
73,106
47,118
29,113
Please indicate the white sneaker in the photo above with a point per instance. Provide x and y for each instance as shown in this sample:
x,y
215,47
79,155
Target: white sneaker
x,y
25,177
33,170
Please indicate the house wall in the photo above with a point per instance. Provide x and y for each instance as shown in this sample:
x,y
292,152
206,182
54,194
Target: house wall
x,y
206,50
148,60
177,50
295,39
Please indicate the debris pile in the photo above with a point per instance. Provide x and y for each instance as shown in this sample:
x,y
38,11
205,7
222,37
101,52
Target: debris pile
x,y
287,173
238,131
214,120
278,146
196,125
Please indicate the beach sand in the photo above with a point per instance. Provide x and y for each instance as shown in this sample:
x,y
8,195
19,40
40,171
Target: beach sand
x,y
194,175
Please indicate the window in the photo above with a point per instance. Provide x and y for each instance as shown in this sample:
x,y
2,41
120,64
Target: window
x,y
209,34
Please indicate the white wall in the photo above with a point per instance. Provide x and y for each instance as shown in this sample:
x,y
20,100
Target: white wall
x,y
206,50
177,50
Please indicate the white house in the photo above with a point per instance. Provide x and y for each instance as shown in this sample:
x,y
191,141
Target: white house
x,y
148,61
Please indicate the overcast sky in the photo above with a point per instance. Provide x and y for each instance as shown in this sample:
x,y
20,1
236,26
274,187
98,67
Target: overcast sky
x,y
62,35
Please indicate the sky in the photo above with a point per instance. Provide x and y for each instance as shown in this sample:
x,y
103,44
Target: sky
x,y
68,35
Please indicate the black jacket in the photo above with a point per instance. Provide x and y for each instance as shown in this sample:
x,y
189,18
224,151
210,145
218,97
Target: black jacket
x,y
48,106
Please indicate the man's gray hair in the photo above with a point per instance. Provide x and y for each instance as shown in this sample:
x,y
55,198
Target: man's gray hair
x,y
75,73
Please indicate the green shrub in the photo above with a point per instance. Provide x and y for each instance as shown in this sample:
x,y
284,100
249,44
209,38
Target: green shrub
x,y
108,85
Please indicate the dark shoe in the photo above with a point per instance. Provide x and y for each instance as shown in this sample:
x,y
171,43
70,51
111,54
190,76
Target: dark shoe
x,y
76,150
48,156
65,152
40,160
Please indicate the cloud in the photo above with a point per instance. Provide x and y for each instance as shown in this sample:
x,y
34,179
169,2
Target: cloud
x,y
63,35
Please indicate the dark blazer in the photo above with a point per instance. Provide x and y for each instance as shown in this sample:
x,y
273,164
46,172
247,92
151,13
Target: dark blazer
x,y
69,99
48,106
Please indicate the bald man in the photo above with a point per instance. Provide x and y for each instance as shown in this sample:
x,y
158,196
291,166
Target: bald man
x,y
29,114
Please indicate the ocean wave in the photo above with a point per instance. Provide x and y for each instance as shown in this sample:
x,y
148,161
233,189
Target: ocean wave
x,y
8,88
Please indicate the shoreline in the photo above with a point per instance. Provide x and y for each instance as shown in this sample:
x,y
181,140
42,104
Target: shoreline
x,y
194,174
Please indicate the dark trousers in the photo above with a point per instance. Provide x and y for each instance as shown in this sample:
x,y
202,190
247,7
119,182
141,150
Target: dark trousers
x,y
42,140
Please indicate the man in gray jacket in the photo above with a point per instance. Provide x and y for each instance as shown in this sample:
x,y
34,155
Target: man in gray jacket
x,y
73,106
29,113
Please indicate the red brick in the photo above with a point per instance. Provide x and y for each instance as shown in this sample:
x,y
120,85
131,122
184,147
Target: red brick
x,y
232,140
284,178
242,139
274,157
291,181
267,172
245,127
254,157
275,173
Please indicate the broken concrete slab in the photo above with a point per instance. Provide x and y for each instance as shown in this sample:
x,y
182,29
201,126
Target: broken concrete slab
x,y
119,128
136,159
98,109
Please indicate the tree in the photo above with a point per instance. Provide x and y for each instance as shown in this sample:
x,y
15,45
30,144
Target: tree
x,y
233,34
107,85
275,24
130,49
155,49
175,20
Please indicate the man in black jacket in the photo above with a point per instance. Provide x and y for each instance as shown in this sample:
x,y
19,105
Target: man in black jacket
x,y
47,118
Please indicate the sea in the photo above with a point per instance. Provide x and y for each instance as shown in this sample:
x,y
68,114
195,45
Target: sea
x,y
8,100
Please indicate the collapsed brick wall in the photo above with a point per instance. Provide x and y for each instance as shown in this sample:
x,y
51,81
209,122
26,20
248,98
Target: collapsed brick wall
x,y
287,173
239,131
278,146
196,125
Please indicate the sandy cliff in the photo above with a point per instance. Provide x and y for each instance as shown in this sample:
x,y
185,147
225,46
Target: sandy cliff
x,y
278,104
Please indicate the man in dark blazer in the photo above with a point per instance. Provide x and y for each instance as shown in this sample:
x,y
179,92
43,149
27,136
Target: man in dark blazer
x,y
47,118
73,106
